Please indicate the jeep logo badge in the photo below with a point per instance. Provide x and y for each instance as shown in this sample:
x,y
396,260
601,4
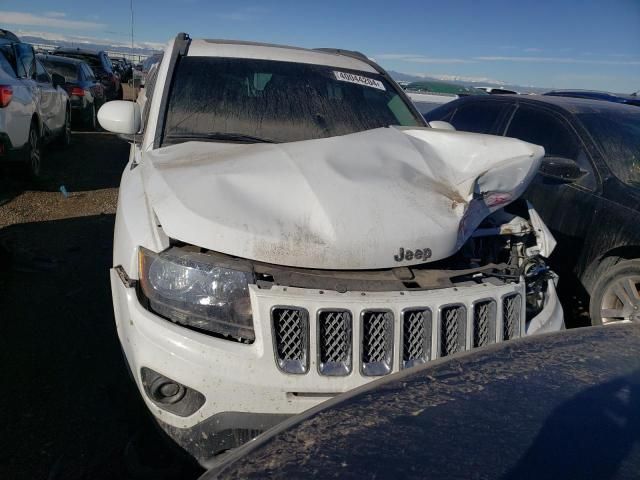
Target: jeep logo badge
x,y
420,254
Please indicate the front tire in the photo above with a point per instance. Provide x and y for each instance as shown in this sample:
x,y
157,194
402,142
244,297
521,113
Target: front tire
x,y
33,155
616,295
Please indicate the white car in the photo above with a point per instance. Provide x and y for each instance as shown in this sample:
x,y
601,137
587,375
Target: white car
x,y
289,228
34,108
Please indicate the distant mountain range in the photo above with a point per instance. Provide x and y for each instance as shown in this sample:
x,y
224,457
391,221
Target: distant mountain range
x,y
140,48
466,81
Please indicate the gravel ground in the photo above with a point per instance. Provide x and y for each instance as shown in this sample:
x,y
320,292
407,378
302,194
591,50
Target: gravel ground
x,y
89,170
70,408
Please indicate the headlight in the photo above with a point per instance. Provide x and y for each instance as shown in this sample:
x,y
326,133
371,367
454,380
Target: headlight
x,y
190,289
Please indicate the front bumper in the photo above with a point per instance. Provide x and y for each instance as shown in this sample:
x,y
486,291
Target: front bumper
x,y
240,381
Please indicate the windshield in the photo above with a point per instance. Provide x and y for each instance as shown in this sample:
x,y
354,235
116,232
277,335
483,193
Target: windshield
x,y
93,60
67,70
277,101
617,132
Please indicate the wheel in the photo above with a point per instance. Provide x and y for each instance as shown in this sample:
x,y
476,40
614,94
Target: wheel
x,y
34,151
616,295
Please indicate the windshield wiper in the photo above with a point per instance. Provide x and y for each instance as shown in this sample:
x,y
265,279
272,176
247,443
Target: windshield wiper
x,y
218,136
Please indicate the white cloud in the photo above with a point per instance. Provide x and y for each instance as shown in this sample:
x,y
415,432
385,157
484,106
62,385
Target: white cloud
x,y
463,78
565,60
243,14
415,58
533,50
19,18
55,14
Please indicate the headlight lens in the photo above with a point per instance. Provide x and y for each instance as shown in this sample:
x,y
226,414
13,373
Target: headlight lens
x,y
190,289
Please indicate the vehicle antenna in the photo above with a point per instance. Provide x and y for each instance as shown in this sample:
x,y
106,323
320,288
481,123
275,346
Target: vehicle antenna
x,y
133,83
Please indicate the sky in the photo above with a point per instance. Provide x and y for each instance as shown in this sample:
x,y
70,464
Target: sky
x,y
557,44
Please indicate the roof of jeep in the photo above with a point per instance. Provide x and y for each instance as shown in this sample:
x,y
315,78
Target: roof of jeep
x,y
283,53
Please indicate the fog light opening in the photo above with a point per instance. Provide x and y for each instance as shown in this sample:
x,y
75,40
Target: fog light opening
x,y
166,391
170,395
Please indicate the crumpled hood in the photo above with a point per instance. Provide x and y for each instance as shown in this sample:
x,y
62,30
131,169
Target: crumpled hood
x,y
348,202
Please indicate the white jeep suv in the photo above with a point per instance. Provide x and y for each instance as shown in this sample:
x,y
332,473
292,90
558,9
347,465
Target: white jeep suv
x,y
289,228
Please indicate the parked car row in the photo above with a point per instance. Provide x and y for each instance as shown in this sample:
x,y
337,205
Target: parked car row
x,y
41,95
35,109
86,92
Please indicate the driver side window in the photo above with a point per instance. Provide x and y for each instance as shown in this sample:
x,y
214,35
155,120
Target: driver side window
x,y
550,131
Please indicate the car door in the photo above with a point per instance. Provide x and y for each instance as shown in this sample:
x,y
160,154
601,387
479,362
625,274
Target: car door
x,y
566,207
50,100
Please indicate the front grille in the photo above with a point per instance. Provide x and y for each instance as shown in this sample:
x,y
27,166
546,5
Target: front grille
x,y
291,339
334,342
377,342
453,331
416,337
341,331
484,323
511,316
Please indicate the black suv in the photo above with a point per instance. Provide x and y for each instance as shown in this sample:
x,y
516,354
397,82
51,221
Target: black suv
x,y
587,190
101,66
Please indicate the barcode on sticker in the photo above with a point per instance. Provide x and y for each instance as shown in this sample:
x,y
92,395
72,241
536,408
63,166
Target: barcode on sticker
x,y
359,79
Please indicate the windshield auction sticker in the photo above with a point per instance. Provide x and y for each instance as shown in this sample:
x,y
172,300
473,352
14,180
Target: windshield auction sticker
x,y
359,79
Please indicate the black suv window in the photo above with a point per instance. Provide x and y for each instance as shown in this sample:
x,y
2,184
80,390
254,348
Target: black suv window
x,y
42,76
616,130
94,60
25,60
106,63
544,128
87,72
68,70
480,117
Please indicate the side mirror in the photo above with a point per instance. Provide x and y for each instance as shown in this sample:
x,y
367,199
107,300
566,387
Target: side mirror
x,y
442,125
57,80
564,170
120,116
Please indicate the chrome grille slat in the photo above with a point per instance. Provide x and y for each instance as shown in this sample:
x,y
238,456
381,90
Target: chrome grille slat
x,y
291,339
377,342
416,337
334,342
511,316
484,323
453,321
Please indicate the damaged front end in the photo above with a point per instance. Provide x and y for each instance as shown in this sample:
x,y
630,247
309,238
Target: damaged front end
x,y
509,247
274,277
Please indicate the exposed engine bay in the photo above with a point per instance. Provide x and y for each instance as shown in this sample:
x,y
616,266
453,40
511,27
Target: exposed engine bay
x,y
505,248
